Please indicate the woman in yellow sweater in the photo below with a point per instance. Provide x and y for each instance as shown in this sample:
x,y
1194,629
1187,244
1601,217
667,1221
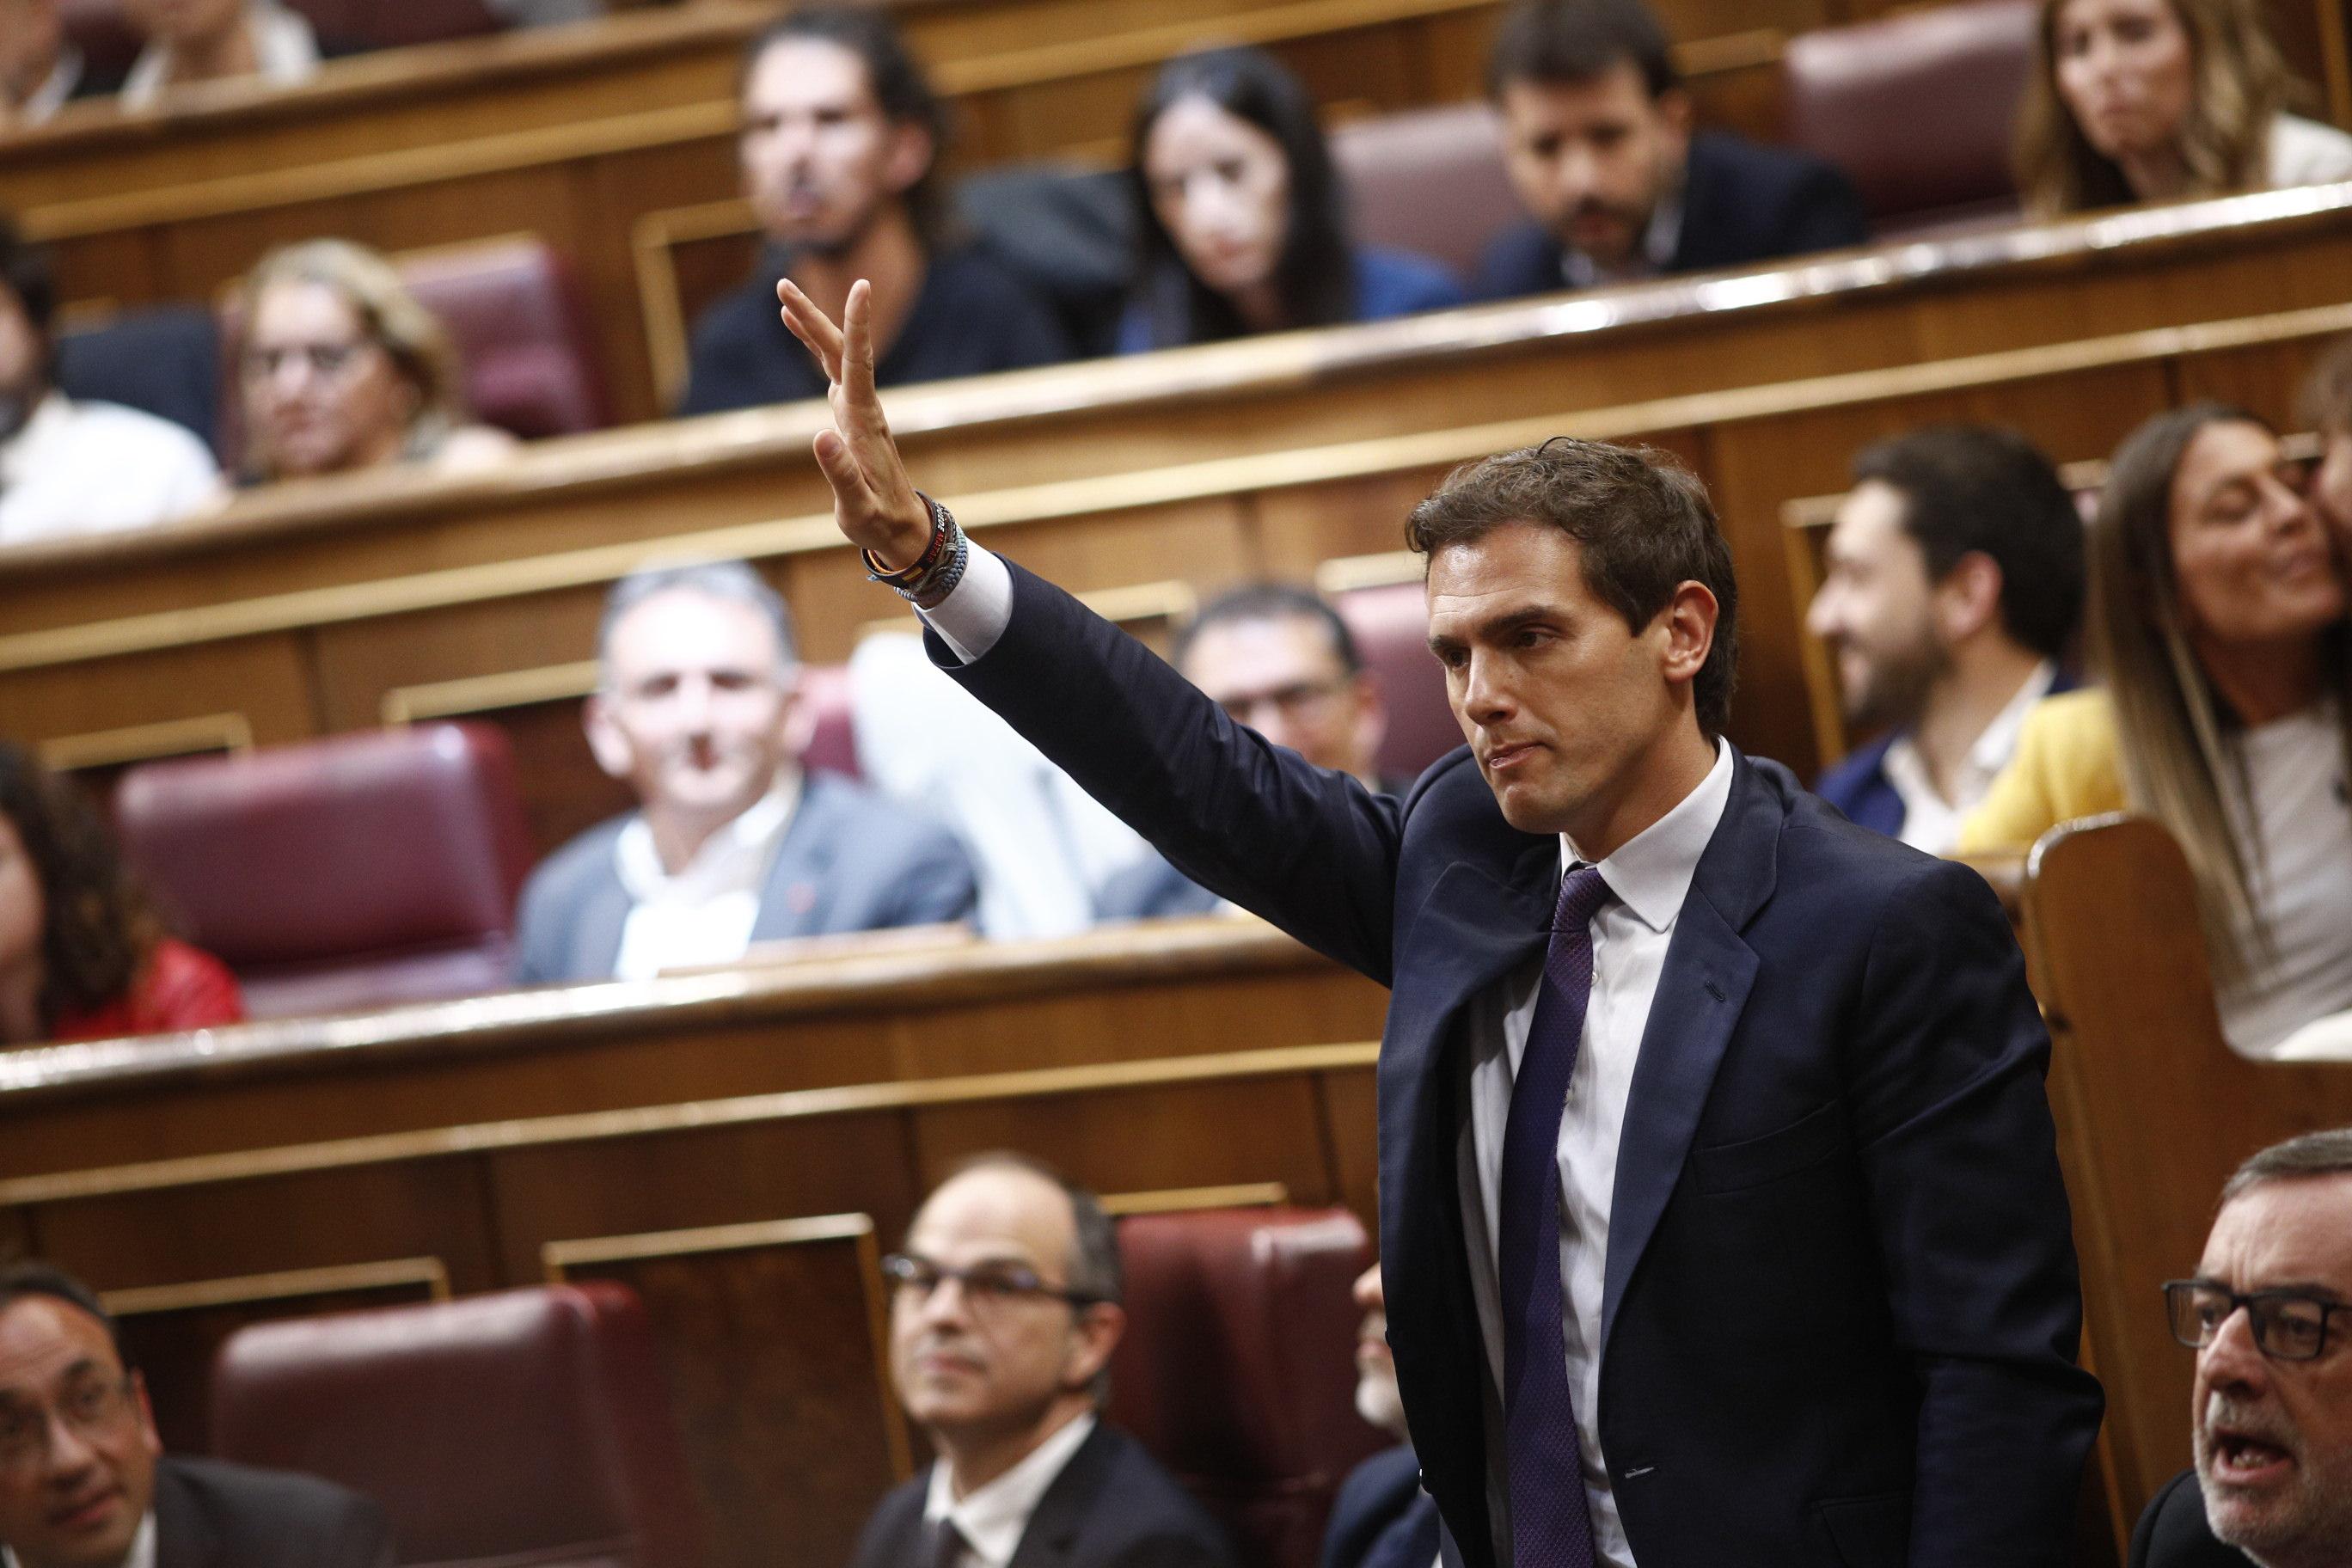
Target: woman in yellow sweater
x,y
2217,622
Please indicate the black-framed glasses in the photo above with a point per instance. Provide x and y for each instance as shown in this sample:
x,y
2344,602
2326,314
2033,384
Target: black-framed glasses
x,y
985,1285
95,1408
2291,1325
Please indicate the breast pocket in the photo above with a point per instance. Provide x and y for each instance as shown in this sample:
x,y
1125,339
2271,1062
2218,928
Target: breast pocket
x,y
1812,1139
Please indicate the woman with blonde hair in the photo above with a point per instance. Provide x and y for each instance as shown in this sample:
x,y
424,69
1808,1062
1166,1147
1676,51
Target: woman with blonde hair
x,y
340,368
2218,624
2150,101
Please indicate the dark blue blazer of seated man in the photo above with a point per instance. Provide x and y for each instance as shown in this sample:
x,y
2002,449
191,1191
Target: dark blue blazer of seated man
x,y
1741,203
1841,1309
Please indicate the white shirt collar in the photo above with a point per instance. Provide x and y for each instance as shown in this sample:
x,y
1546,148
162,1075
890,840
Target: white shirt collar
x,y
141,1555
1993,747
1932,823
734,859
284,47
49,417
46,100
994,1517
1651,872
1656,252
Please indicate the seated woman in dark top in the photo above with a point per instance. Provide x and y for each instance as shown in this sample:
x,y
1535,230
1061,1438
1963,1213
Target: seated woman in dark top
x,y
1241,226
82,957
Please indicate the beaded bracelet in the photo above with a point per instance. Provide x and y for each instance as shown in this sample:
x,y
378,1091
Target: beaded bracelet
x,y
906,577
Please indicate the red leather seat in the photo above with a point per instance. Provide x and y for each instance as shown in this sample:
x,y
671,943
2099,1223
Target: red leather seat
x,y
1429,180
1390,624
525,1426
1917,109
353,872
519,328
1238,1369
389,24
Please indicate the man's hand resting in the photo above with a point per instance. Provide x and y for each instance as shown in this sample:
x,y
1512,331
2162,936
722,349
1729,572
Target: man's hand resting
x,y
872,499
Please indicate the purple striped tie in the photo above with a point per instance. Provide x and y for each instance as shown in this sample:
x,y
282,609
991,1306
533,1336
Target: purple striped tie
x,y
1551,1524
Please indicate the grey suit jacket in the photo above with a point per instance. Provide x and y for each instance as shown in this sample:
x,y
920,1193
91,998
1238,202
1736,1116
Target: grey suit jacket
x,y
213,1515
849,861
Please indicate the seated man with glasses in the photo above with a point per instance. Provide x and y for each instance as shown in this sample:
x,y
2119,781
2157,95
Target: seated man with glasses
x,y
1004,1310
83,1480
1279,660
2270,1316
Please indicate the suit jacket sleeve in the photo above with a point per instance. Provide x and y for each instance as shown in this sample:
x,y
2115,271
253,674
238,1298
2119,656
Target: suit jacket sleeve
x,y
1313,851
1823,213
1173,1549
1960,1165
363,1538
936,885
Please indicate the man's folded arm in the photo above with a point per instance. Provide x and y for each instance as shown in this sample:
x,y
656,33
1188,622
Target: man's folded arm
x,y
1312,850
1960,1166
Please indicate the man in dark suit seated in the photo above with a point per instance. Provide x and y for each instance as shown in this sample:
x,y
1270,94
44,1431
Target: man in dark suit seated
x,y
697,707
1953,583
1720,1209
1381,1517
1004,1310
84,1482
1598,139
840,141
2270,1315
1279,660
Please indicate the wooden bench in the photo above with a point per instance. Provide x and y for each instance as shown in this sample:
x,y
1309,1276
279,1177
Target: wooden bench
x,y
321,607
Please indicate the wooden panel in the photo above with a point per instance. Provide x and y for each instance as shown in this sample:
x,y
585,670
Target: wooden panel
x,y
172,1332
771,1339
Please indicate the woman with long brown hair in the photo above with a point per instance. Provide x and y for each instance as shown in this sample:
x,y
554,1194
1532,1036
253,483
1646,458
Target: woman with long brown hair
x,y
2150,101
2218,622
83,955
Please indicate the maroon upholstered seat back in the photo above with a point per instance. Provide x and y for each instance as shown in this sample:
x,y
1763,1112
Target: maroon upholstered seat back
x,y
833,748
1238,1369
108,41
512,306
1429,180
353,872
389,24
1390,624
1917,109
526,1426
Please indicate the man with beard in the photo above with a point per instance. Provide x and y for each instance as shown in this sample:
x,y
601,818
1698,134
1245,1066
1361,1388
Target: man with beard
x,y
1381,1517
840,145
697,707
2270,1316
1954,581
1598,141
69,466
1004,1310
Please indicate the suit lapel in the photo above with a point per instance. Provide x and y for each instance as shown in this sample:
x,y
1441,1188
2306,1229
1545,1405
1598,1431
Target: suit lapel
x,y
183,1538
793,894
1708,972
1053,1531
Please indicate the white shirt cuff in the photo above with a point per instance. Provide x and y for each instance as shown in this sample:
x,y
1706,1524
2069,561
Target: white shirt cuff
x,y
977,610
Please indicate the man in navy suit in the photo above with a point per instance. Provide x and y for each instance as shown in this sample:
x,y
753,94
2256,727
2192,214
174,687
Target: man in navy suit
x,y
1598,141
1953,582
699,708
1721,1209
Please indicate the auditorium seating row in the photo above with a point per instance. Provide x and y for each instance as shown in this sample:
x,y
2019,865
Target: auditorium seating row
x,y
637,186
494,1144
1237,1372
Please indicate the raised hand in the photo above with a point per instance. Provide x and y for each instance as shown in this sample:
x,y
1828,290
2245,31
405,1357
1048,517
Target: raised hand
x,y
873,501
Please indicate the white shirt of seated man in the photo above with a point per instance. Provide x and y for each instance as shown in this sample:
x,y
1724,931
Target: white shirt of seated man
x,y
191,41
699,710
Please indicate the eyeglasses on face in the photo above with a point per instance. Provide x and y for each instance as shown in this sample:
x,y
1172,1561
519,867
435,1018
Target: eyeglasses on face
x,y
98,1407
2289,1325
986,1286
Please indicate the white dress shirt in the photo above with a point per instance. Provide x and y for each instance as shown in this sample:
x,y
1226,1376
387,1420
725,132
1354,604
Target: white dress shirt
x,y
1931,822
994,1517
284,45
57,89
704,913
141,1555
1651,876
97,468
2298,856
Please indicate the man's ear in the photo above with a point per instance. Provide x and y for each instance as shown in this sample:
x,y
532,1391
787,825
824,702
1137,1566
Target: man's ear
x,y
798,717
1674,111
606,740
1688,621
1968,598
149,1438
911,154
1093,1337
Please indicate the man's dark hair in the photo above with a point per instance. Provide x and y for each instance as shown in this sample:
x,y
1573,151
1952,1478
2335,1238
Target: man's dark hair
x,y
1642,521
1577,41
900,86
2327,1153
1252,602
30,1277
1972,489
27,271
